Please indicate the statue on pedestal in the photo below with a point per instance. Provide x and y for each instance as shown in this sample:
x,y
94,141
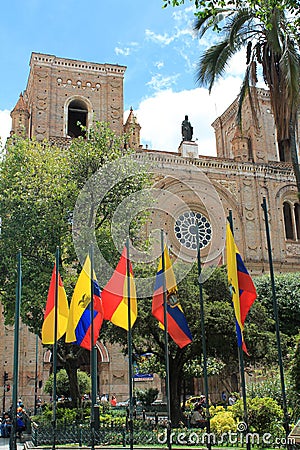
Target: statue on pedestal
x,y
186,129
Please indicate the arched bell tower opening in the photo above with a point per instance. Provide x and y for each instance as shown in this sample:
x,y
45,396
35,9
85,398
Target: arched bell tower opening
x,y
77,117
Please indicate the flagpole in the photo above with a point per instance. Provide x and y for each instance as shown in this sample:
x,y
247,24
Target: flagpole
x,y
275,311
55,347
203,339
36,373
242,370
129,336
13,437
93,349
163,264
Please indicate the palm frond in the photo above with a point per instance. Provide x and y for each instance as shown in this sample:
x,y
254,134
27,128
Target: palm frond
x,y
275,32
290,70
210,20
239,27
213,63
282,75
247,91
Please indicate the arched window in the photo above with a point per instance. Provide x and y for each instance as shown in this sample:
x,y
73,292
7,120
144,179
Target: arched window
x,y
288,223
284,151
291,214
77,115
297,219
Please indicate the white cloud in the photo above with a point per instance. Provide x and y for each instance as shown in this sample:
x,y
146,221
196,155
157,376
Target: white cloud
x,y
159,82
159,64
237,64
167,39
190,63
126,51
163,39
185,15
160,116
5,126
122,51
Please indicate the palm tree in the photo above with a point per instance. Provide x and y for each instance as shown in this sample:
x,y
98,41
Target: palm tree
x,y
274,46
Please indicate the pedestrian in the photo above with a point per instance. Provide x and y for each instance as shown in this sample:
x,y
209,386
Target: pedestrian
x,y
202,401
103,398
113,401
20,425
6,425
231,399
224,397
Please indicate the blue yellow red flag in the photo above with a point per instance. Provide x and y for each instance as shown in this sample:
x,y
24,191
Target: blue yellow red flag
x,y
177,325
62,311
115,295
79,324
242,287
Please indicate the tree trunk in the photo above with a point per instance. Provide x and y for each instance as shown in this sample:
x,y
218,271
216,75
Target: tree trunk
x,y
71,369
176,378
288,152
294,157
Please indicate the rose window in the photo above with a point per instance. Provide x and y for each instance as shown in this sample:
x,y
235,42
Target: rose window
x,y
185,230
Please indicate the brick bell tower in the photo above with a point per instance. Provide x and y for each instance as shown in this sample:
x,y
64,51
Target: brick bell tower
x,y
61,92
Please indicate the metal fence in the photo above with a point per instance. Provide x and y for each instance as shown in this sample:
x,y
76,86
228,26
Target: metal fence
x,y
82,435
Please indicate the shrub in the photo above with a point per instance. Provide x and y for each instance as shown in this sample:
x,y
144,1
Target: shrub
x,y
63,415
147,396
264,415
213,410
223,422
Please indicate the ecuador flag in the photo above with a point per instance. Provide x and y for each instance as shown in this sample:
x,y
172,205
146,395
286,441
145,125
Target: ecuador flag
x,y
177,325
114,295
79,324
241,284
62,311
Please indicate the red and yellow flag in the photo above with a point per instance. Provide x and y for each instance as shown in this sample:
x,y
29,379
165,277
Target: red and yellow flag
x,y
62,311
115,295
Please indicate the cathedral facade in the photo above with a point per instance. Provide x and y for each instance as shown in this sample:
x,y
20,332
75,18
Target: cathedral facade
x,y
194,189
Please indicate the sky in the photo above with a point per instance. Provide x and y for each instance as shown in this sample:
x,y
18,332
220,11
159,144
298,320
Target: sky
x,y
158,46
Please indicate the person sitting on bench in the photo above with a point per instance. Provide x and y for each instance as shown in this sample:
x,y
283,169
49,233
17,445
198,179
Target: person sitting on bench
x,y
197,419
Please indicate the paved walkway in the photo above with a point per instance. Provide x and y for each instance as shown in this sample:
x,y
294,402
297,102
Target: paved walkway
x,y
4,444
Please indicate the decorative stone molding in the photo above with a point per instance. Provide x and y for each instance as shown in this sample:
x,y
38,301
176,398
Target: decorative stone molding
x,y
78,84
277,171
293,249
230,186
49,60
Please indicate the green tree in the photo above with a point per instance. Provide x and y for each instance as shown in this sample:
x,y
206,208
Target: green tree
x,y
287,288
295,379
36,197
39,186
262,8
295,369
146,396
63,384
